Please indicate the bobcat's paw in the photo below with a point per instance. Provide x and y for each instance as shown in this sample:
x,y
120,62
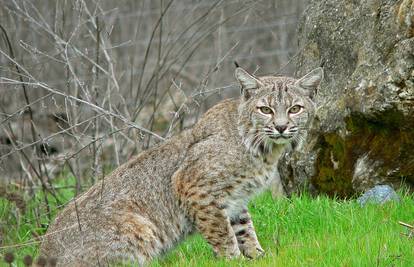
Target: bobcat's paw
x,y
235,254
229,253
253,252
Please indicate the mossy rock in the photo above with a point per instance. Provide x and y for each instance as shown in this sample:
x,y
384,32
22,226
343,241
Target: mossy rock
x,y
363,134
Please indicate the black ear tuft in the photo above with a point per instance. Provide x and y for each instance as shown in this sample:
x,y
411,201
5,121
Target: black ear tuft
x,y
247,81
310,82
236,64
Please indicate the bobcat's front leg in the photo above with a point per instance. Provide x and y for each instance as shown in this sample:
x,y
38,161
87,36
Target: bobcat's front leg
x,y
203,209
246,235
212,222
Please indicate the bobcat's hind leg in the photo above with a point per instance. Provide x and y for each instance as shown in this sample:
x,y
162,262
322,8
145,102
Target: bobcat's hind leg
x,y
246,235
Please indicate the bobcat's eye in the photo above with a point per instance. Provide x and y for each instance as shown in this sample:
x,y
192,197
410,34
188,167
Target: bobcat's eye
x,y
266,110
295,109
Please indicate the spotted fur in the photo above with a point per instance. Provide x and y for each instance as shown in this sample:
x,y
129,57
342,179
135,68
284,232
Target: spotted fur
x,y
200,180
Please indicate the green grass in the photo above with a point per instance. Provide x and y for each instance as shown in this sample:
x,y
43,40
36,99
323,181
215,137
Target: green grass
x,y
304,231
18,230
301,231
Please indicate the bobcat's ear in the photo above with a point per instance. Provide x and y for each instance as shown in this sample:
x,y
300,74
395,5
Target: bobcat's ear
x,y
247,81
310,82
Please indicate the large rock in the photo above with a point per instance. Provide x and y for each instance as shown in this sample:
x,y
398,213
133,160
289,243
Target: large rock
x,y
363,134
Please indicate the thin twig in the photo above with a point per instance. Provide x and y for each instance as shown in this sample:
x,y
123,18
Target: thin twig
x,y
406,225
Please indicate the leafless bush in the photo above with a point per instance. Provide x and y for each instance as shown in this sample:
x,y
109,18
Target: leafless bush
x,y
87,84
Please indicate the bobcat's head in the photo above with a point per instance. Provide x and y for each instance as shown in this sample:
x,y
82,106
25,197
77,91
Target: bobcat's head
x,y
275,110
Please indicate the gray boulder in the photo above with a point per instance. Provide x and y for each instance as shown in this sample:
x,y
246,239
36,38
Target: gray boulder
x,y
363,134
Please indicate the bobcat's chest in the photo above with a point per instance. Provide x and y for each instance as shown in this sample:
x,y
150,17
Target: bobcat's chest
x,y
257,175
264,169
253,182
263,175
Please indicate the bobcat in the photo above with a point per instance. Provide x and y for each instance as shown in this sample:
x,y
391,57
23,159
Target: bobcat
x,y
200,180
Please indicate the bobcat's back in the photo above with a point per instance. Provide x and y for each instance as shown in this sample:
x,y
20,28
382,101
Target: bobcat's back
x,y
133,214
130,212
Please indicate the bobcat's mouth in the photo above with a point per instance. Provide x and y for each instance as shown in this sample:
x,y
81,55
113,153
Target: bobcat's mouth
x,y
281,138
274,135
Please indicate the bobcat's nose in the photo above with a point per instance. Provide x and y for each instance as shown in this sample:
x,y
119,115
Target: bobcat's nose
x,y
281,128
